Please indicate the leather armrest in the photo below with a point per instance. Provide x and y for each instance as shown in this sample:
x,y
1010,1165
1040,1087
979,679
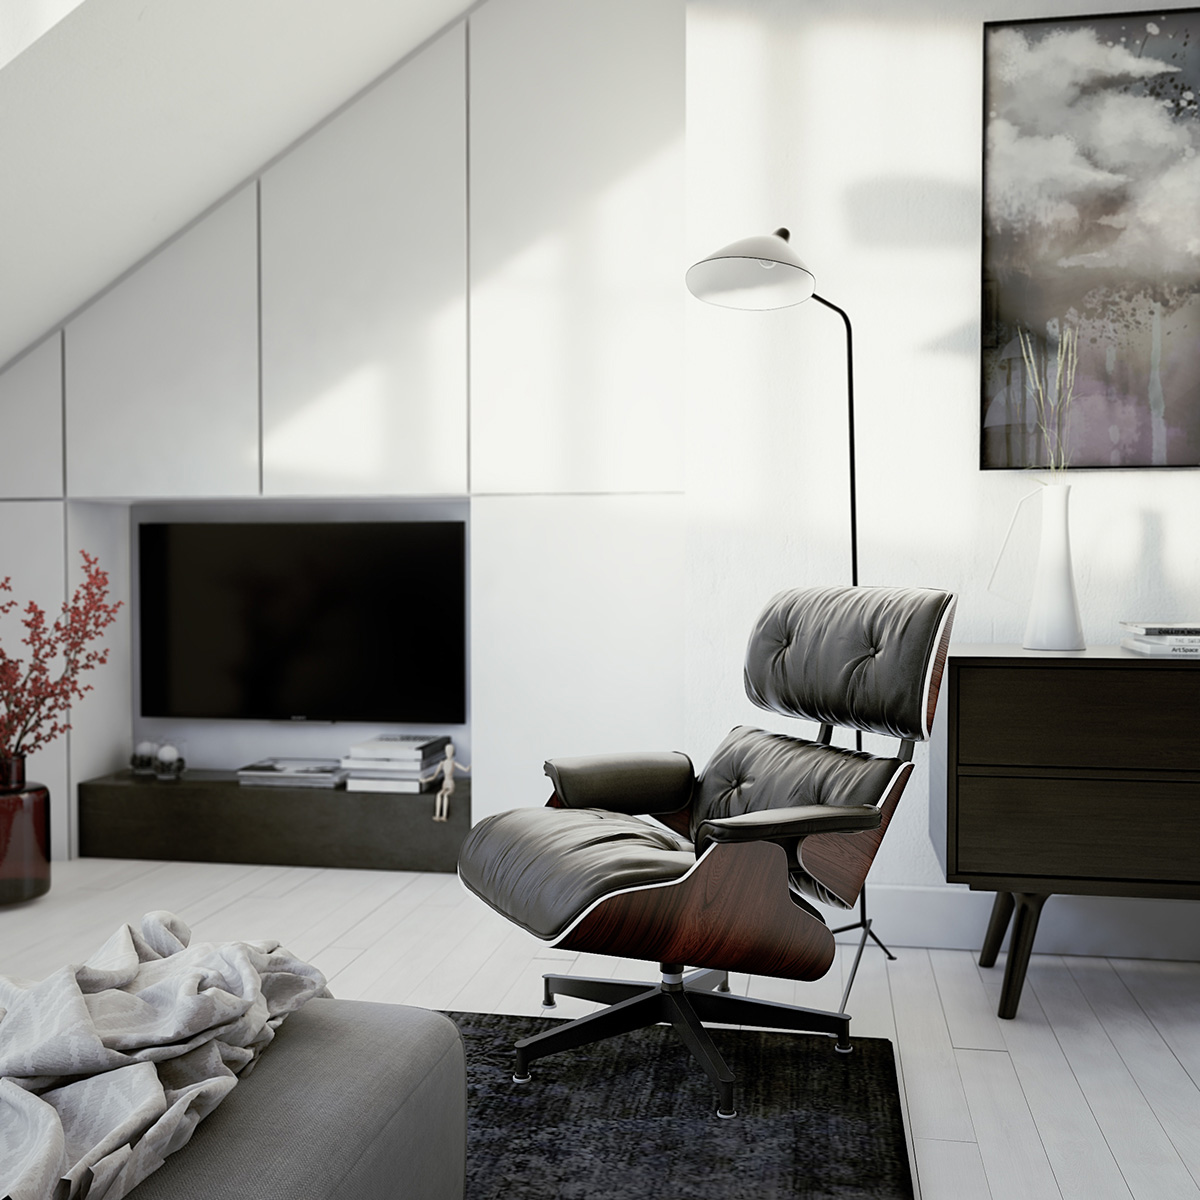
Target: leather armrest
x,y
627,783
774,823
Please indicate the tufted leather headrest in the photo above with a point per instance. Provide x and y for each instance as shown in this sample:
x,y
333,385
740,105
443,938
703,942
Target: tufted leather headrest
x,y
866,658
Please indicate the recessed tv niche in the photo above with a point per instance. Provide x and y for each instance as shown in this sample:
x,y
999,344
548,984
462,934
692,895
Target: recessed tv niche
x,y
360,621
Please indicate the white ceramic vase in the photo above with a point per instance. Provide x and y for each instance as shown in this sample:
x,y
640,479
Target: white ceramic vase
x,y
1054,610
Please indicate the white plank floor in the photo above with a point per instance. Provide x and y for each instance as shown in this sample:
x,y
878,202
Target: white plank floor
x,y
1090,1094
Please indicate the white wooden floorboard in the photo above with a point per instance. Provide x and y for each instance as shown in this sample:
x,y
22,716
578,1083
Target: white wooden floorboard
x,y
970,1018
377,888
1169,994
952,1171
1168,1088
937,1105
1009,1143
1090,1094
390,934
1147,1159
870,1003
426,950
1075,1145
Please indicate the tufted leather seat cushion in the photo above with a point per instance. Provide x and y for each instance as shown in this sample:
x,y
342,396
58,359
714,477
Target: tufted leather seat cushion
x,y
542,867
862,658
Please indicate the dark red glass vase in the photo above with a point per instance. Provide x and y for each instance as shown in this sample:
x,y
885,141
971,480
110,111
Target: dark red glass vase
x,y
24,833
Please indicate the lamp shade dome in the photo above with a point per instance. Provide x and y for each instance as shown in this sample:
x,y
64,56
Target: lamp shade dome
x,y
758,273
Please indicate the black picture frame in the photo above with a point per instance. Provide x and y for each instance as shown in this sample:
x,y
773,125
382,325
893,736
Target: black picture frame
x,y
1090,274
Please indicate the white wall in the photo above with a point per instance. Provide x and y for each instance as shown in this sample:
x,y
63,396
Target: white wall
x,y
857,124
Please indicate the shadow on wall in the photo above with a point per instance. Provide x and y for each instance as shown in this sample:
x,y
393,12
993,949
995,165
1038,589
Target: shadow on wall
x,y
1152,587
914,213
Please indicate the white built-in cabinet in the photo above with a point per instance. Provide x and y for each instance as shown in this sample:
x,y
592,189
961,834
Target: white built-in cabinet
x,y
577,635
577,246
162,370
31,419
364,275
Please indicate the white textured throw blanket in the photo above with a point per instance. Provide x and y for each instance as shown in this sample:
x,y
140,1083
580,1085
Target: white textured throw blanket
x,y
106,1068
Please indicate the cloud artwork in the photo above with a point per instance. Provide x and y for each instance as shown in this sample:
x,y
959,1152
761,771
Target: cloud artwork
x,y
1091,242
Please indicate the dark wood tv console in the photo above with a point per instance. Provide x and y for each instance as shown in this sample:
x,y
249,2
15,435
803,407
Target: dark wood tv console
x,y
1075,772
207,816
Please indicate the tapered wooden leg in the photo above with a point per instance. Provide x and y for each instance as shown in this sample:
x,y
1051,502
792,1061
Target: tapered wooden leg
x,y
1002,910
1025,923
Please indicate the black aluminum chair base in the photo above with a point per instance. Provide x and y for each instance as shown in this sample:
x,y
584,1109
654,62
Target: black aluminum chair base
x,y
683,1001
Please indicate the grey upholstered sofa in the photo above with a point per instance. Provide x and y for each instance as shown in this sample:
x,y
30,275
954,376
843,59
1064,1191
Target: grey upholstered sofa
x,y
351,1101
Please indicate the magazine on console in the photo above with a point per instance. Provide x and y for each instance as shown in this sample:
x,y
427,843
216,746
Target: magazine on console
x,y
293,772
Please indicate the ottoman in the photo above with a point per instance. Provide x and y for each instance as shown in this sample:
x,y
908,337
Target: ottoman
x,y
351,1101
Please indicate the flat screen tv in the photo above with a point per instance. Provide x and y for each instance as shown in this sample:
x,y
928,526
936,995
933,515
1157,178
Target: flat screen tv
x,y
362,621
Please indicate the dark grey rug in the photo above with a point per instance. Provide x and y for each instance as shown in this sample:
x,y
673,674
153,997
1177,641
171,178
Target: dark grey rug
x,y
634,1118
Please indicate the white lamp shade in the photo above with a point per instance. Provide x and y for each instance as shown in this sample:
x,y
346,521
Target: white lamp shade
x,y
757,272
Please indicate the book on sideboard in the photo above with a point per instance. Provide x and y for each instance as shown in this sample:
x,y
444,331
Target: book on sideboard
x,y
1164,639
426,777
1163,629
1161,649
406,746
359,783
293,772
408,768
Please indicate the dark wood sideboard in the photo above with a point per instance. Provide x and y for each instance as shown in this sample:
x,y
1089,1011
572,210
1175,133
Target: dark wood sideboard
x,y
207,816
1065,772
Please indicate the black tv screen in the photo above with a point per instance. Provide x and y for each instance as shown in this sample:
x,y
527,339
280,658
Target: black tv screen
x,y
361,621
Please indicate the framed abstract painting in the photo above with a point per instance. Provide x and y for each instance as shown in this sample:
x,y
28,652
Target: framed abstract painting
x,y
1091,242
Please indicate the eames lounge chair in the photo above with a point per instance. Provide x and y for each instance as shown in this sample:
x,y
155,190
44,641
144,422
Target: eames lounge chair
x,y
723,877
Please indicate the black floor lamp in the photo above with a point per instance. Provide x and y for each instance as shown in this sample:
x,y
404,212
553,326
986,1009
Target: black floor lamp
x,y
764,272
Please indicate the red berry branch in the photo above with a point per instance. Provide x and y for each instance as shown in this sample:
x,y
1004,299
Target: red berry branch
x,y
35,699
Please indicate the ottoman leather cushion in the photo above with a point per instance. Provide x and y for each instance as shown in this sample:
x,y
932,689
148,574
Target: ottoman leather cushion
x,y
351,1101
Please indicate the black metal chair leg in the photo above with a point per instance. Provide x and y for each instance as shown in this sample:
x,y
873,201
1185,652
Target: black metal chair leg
x,y
744,1010
707,981
682,1016
582,987
624,1017
875,938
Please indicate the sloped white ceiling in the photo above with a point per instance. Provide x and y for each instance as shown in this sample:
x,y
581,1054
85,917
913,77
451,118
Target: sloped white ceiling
x,y
128,118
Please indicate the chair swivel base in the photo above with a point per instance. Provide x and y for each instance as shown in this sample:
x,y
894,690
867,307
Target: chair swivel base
x,y
682,1001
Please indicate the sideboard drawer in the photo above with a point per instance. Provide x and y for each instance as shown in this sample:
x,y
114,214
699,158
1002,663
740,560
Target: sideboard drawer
x,y
1142,716
1076,828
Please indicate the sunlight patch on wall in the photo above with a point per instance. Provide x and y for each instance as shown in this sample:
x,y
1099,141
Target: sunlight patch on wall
x,y
331,436
730,356
523,296
584,313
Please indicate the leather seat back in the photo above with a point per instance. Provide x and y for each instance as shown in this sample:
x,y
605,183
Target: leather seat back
x,y
864,658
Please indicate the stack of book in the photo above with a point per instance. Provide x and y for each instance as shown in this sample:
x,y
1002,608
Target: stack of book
x,y
400,762
1178,639
293,772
